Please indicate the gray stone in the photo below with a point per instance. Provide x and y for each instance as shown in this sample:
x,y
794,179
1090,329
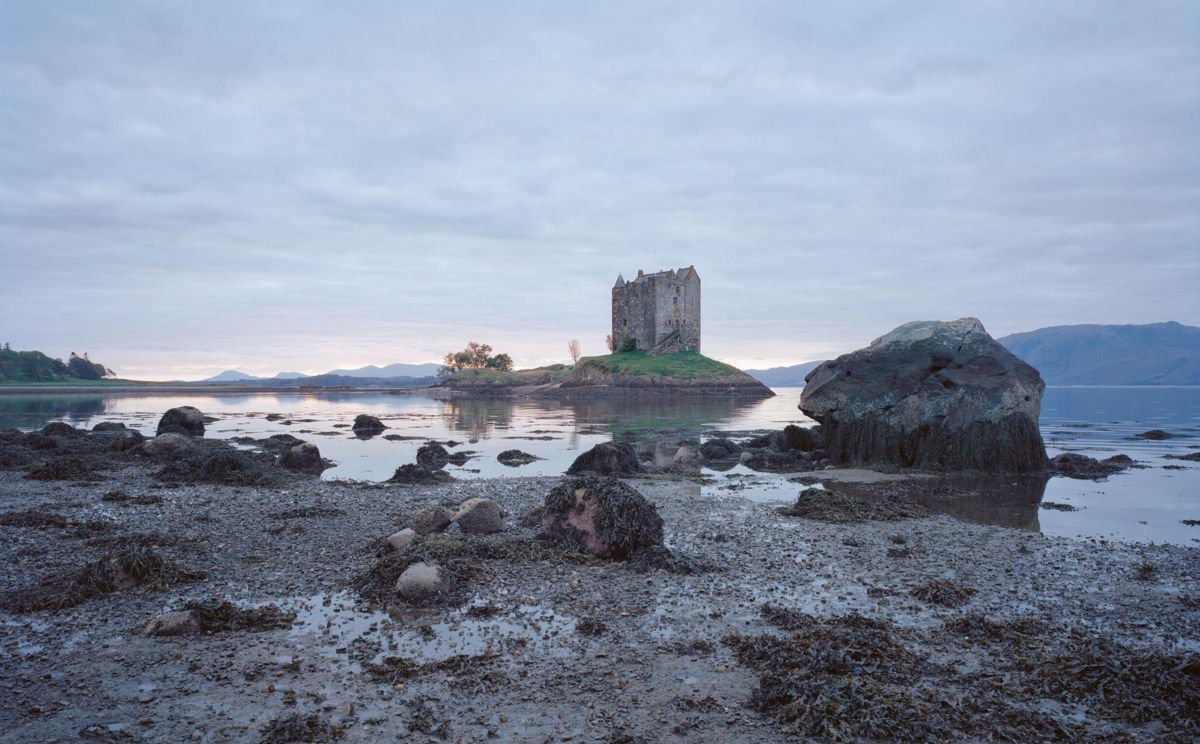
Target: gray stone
x,y
182,420
303,458
720,449
686,457
183,622
514,458
480,517
168,446
940,396
124,440
419,580
402,539
431,519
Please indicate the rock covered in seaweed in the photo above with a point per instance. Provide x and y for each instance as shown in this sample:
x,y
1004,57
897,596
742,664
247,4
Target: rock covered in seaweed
x,y
601,516
366,426
935,395
607,458
303,458
432,456
182,420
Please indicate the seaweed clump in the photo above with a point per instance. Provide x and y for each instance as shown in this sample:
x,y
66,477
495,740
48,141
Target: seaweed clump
x,y
32,518
840,679
215,616
64,467
839,507
298,728
942,592
222,466
465,672
461,562
122,568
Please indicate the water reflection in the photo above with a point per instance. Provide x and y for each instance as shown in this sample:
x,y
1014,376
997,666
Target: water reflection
x,y
1002,502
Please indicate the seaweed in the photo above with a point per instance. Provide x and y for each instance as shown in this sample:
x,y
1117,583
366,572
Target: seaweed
x,y
943,592
841,508
308,512
217,615
32,518
298,727
591,626
460,560
64,467
121,568
1117,682
222,466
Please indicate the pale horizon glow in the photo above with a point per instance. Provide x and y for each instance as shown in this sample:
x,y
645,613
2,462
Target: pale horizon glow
x,y
192,187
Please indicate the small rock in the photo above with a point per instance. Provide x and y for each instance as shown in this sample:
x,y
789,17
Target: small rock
x,y
419,580
179,623
58,429
514,458
480,517
126,440
366,426
431,519
432,456
110,426
402,539
607,459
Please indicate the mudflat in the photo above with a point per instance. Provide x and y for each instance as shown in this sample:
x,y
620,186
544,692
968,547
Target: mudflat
x,y
771,626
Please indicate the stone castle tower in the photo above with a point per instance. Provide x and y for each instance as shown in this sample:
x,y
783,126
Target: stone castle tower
x,y
660,312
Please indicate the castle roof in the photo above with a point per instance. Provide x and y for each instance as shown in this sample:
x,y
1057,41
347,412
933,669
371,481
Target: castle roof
x,y
620,282
667,274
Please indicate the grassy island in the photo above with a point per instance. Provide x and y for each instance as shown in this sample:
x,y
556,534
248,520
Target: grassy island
x,y
684,365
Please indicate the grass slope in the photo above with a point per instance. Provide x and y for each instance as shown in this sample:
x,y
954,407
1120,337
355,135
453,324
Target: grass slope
x,y
685,365
535,376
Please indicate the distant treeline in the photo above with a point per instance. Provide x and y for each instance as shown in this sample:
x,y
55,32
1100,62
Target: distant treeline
x,y
337,381
34,366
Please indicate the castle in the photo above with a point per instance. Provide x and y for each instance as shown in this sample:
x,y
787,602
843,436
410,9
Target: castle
x,y
658,313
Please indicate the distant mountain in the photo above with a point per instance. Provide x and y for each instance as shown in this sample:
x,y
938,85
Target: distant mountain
x,y
288,375
231,375
1152,354
792,376
392,370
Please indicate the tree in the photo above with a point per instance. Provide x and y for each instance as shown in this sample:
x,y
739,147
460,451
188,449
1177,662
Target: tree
x,y
610,343
475,356
573,347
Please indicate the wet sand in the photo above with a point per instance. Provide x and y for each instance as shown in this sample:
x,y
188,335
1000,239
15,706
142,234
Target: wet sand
x,y
657,670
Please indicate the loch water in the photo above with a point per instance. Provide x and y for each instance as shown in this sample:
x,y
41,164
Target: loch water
x,y
1147,504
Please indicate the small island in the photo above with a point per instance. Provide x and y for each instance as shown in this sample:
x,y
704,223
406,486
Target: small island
x,y
655,345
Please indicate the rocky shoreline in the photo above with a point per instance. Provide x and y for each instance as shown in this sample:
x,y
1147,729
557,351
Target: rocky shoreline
x,y
893,626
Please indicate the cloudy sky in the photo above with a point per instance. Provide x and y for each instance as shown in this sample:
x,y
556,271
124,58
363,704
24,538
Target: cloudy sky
x,y
187,187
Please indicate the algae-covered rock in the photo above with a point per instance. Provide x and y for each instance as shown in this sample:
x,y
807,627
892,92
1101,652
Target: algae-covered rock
x,y
940,396
432,456
607,458
182,420
601,516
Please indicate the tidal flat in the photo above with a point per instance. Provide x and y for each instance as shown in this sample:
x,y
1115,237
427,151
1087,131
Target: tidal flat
x,y
957,610
916,628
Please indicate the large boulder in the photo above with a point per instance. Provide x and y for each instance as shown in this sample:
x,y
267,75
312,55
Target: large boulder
x,y
601,516
934,395
182,420
607,458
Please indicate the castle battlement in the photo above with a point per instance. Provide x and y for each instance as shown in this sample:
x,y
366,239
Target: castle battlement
x,y
659,312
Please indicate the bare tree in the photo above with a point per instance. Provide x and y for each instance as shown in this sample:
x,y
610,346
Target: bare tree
x,y
573,347
610,343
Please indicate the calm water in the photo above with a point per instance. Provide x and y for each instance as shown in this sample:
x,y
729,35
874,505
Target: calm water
x,y
1144,505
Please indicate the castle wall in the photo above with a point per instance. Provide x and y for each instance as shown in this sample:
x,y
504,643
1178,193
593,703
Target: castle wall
x,y
660,312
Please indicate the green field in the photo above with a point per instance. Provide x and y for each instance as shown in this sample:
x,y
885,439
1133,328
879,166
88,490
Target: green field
x,y
534,376
685,365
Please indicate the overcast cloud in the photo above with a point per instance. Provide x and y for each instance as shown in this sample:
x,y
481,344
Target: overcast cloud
x,y
187,187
